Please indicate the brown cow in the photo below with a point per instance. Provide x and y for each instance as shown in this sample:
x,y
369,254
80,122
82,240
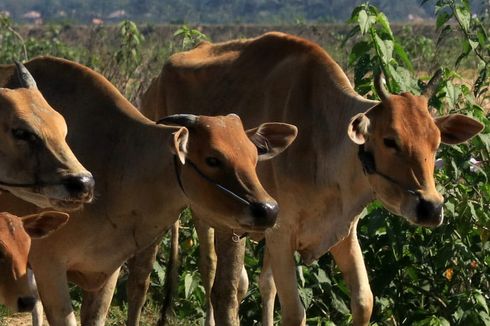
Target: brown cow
x,y
321,183
15,241
142,186
36,163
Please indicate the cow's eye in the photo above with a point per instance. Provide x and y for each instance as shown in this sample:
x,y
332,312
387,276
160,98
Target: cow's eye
x,y
261,150
391,143
25,135
213,162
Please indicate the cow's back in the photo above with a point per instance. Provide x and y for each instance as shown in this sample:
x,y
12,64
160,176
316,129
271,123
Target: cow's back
x,y
276,77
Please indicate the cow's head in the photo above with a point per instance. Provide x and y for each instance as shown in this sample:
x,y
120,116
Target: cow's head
x,y
217,160
36,163
398,141
15,242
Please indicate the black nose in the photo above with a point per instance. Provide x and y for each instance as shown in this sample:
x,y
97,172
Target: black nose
x,y
264,213
79,185
429,213
26,304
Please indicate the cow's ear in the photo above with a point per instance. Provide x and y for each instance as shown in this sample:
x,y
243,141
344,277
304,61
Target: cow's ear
x,y
178,143
272,138
358,129
457,128
42,224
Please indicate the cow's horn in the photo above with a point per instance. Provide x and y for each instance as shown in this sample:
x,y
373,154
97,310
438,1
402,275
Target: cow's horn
x,y
184,120
432,85
379,82
25,78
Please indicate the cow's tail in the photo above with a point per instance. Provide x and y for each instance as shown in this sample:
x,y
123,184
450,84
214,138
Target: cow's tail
x,y
171,277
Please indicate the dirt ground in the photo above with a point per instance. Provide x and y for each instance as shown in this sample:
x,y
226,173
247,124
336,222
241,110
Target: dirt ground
x,y
23,319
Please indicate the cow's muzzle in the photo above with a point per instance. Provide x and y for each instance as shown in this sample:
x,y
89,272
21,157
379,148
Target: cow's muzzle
x,y
80,186
26,304
264,213
429,213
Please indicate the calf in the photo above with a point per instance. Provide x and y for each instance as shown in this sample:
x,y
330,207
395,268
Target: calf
x,y
349,152
15,241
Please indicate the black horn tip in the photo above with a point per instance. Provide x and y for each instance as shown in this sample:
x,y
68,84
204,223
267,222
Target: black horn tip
x,y
25,78
431,87
179,120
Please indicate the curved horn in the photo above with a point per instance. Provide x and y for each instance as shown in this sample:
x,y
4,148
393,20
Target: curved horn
x,y
25,78
432,85
381,90
184,120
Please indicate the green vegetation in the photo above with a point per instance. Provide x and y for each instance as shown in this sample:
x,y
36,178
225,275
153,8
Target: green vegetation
x,y
419,276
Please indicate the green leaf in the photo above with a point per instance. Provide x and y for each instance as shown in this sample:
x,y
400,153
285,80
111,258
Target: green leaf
x,y
365,21
464,17
301,275
385,48
358,50
339,305
322,277
158,269
187,285
385,24
480,299
442,18
400,52
484,318
452,94
306,295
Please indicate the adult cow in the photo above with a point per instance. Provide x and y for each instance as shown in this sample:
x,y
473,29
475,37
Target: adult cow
x,y
15,241
142,185
36,163
349,151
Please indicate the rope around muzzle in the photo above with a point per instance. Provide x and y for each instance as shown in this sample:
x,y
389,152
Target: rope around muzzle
x,y
235,237
369,167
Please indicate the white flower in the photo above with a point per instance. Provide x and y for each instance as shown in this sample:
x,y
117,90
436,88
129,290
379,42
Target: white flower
x,y
439,163
474,165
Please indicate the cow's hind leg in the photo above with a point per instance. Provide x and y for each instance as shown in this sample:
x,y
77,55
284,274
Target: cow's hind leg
x,y
207,263
348,256
224,294
139,271
267,291
95,304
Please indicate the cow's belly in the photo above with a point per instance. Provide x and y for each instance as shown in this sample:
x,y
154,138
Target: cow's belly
x,y
92,251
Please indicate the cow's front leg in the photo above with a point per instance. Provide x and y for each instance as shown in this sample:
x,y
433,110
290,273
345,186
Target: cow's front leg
x,y
284,271
267,291
348,256
139,271
38,311
207,263
224,294
53,289
95,304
